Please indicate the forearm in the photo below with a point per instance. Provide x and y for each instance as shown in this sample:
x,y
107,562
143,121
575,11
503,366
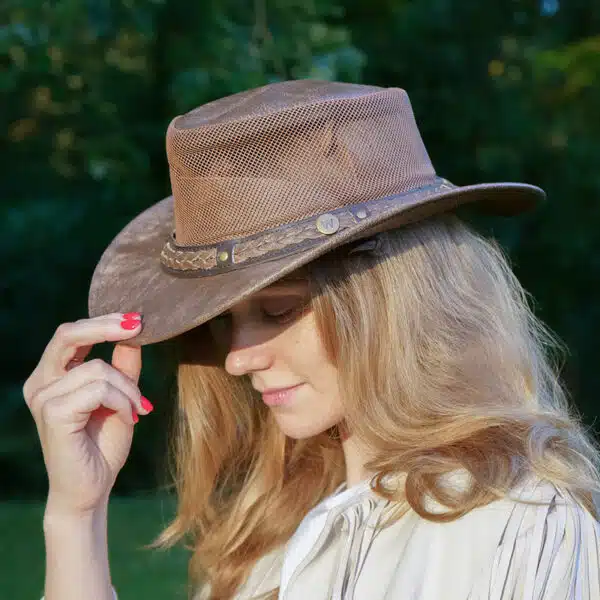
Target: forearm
x,y
77,556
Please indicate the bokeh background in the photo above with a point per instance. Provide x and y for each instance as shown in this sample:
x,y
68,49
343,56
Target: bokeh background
x,y
504,90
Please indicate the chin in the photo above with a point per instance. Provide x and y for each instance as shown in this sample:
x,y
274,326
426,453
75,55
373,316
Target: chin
x,y
301,431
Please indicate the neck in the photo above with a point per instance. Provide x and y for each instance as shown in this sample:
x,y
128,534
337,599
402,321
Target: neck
x,y
355,456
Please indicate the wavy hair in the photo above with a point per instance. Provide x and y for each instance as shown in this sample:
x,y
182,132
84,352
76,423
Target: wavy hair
x,y
442,366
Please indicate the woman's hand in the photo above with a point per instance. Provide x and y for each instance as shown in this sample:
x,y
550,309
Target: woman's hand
x,y
85,411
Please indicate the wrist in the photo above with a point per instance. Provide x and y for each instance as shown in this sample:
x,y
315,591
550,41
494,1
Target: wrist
x,y
61,515
76,545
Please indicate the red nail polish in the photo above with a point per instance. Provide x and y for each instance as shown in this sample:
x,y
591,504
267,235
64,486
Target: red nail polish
x,y
135,416
146,404
132,315
130,324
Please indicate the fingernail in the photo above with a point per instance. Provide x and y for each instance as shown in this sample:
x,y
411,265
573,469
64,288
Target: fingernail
x,y
132,315
135,416
130,324
146,404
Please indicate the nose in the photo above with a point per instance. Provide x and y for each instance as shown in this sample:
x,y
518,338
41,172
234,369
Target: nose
x,y
247,354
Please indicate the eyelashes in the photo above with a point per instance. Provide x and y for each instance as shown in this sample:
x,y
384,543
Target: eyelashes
x,y
282,317
271,314
283,310
271,310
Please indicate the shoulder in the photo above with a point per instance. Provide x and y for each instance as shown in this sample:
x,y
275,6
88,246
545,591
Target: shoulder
x,y
545,516
549,547
538,543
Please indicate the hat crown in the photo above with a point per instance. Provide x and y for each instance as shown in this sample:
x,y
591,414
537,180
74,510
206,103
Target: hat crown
x,y
269,99
278,154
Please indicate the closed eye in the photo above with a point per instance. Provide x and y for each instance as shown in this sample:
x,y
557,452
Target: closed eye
x,y
280,318
282,310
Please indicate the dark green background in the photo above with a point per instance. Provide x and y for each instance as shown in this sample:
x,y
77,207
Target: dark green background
x,y
504,90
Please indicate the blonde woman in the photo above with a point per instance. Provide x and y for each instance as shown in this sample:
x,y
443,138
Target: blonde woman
x,y
367,406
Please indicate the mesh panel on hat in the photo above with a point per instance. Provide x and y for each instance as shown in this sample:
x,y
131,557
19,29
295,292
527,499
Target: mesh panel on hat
x,y
269,99
259,160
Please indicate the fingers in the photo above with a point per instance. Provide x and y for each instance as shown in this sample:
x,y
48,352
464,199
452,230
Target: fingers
x,y
74,408
128,360
72,342
77,379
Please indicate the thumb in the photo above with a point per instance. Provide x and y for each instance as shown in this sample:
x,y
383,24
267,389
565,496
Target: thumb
x,y
128,360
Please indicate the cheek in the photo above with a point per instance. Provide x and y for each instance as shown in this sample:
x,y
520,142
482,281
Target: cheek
x,y
307,355
310,363
318,406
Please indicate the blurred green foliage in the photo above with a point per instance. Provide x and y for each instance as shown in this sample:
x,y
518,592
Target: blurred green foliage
x,y
133,523
502,91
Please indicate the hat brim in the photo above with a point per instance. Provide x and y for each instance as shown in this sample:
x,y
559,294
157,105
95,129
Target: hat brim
x,y
130,277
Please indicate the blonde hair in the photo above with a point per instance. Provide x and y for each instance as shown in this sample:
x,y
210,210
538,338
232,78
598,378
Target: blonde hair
x,y
442,366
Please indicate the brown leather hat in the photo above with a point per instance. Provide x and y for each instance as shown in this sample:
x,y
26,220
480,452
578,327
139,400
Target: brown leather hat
x,y
265,181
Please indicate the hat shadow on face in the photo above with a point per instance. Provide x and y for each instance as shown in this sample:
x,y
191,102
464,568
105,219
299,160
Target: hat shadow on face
x,y
208,344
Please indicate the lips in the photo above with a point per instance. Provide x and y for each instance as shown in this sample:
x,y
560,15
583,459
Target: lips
x,y
277,390
279,396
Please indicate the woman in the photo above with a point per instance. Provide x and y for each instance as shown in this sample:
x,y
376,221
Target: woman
x,y
366,408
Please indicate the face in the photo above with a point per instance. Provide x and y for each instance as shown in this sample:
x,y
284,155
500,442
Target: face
x,y
275,342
